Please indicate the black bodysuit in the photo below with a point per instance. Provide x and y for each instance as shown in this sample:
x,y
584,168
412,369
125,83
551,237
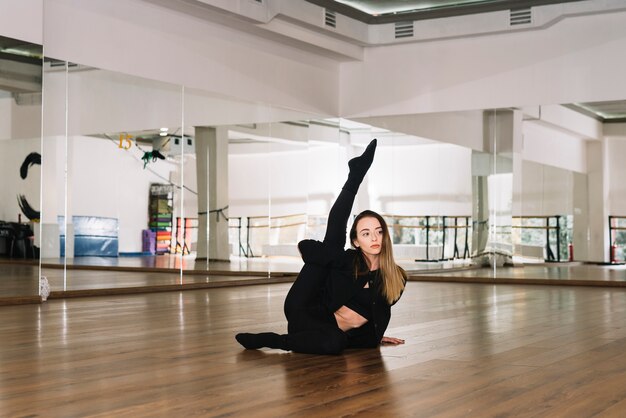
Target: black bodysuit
x,y
327,282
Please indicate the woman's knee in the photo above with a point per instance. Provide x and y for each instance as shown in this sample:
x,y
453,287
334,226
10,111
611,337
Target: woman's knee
x,y
306,287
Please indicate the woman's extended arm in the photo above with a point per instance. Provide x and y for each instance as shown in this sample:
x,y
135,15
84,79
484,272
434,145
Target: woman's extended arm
x,y
391,341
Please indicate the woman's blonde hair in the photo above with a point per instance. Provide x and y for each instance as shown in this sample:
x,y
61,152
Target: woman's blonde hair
x,y
393,276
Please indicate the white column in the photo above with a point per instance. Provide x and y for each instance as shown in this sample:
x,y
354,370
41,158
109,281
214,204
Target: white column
x,y
212,167
53,189
581,217
492,186
598,194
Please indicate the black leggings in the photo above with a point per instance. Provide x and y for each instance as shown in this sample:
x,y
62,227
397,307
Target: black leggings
x,y
312,328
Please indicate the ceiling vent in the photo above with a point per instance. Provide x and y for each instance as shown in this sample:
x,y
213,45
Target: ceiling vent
x,y
330,18
56,63
521,16
404,30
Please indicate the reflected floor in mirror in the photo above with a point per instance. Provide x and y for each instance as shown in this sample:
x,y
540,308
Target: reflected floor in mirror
x,y
18,279
548,273
260,265
21,278
256,266
471,350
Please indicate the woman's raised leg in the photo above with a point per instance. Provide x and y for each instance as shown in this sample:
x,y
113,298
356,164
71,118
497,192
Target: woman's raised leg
x,y
337,225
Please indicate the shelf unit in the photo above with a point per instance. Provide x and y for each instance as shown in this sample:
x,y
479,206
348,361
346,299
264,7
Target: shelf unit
x,y
160,216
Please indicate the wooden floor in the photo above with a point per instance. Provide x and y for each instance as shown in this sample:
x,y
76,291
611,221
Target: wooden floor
x,y
472,350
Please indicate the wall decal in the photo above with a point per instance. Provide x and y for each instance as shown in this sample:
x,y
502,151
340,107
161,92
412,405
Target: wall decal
x,y
30,160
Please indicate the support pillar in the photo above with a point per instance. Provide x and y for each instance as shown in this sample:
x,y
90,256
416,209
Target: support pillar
x,y
212,168
492,187
597,193
580,239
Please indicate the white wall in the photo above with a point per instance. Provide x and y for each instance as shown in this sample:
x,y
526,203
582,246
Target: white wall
x,y
22,19
107,181
5,117
140,38
19,121
404,180
575,60
546,190
617,176
461,128
101,101
546,145
422,180
258,171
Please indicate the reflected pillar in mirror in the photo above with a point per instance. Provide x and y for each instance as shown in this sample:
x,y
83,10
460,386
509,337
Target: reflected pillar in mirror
x,y
597,198
53,190
581,217
480,206
212,173
492,187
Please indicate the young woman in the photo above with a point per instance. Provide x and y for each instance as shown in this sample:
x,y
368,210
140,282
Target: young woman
x,y
341,298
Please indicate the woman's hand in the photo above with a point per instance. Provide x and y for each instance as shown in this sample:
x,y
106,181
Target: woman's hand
x,y
392,341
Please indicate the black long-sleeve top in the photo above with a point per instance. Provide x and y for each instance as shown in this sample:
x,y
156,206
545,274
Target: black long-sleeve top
x,y
341,286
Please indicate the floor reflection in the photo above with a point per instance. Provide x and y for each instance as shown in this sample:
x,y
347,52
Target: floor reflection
x,y
257,265
20,279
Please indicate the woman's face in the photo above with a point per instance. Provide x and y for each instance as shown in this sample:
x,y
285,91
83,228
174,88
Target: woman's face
x,y
369,236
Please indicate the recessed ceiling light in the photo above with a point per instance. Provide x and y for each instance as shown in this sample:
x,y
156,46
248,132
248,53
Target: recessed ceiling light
x,y
163,129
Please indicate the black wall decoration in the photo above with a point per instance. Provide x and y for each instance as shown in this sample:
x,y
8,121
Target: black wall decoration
x,y
31,159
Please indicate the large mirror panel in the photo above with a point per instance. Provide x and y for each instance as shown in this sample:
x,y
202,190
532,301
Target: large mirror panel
x,y
20,164
115,176
289,170
425,193
557,213
459,189
174,180
543,227
245,204
422,183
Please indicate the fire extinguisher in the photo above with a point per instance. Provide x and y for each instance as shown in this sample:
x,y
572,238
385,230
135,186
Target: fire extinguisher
x,y
613,251
570,249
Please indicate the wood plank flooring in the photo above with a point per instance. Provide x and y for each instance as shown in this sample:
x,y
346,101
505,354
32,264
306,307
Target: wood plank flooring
x,y
472,350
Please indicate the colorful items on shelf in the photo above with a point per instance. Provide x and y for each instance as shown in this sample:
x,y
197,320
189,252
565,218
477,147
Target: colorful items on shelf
x,y
160,217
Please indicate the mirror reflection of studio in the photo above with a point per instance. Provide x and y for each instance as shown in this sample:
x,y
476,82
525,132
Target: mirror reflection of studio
x,y
154,169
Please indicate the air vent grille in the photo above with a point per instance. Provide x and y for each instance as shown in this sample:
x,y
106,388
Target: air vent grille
x,y
404,29
56,63
521,16
330,18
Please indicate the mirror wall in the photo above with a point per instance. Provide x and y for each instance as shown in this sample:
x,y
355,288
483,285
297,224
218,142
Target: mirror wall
x,y
188,187
20,166
104,183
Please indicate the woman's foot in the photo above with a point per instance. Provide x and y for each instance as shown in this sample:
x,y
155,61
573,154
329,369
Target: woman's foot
x,y
264,339
359,166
